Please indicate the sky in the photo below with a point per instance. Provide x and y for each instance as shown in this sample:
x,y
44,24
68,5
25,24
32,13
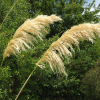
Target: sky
x,y
96,3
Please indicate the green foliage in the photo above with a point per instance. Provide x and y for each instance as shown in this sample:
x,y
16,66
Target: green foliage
x,y
4,8
5,82
44,84
73,12
81,62
90,16
91,84
17,16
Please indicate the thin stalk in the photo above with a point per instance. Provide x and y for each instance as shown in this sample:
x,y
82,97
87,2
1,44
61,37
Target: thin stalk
x,y
8,13
2,62
25,83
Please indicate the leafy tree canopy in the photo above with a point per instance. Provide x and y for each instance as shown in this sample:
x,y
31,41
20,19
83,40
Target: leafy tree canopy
x,y
73,12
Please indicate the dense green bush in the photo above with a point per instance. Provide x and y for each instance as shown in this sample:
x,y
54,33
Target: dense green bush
x,y
5,83
91,84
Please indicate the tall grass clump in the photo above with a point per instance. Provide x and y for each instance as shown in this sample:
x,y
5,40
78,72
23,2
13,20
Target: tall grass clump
x,y
32,29
23,39
27,33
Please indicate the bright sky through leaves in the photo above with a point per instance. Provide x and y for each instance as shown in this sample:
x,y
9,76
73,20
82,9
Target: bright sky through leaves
x,y
97,2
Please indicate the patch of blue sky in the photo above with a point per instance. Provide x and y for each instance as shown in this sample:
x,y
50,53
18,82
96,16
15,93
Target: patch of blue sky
x,y
97,2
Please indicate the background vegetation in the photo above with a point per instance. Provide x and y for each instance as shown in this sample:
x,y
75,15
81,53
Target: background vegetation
x,y
44,84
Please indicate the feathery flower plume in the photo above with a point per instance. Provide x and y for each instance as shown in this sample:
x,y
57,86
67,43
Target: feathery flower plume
x,y
22,38
58,49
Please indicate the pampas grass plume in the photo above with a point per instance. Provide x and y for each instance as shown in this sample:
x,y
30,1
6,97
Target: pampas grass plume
x,y
22,38
59,48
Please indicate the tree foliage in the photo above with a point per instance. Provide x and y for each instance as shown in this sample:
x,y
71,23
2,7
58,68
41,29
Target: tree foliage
x,y
73,12
17,16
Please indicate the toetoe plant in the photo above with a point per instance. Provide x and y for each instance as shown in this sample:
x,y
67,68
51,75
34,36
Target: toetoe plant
x,y
28,32
60,48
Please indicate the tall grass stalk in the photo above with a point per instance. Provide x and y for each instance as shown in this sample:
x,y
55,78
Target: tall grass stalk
x,y
8,13
25,83
2,62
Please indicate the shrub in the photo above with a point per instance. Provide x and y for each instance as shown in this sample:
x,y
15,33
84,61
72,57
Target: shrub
x,y
91,84
5,83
